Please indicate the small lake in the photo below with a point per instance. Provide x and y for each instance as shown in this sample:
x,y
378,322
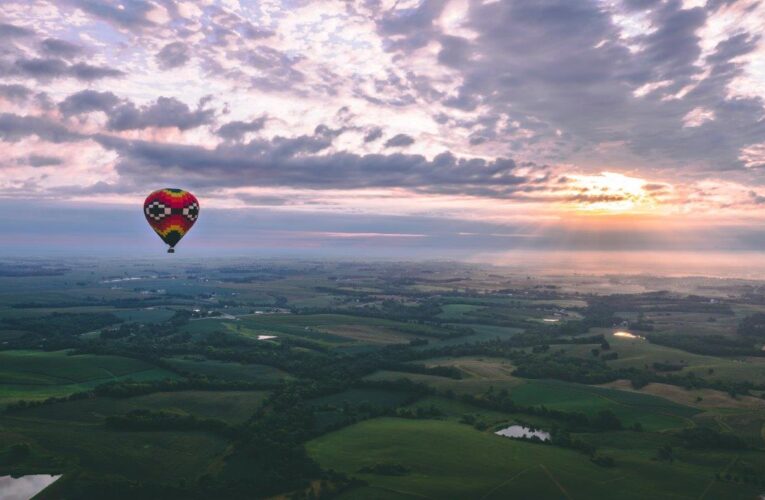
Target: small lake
x,y
266,337
24,487
628,335
519,431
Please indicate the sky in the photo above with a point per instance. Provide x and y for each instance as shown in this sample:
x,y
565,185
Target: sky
x,y
386,128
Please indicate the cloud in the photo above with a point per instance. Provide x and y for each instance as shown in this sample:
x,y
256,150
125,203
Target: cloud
x,y
15,92
697,117
131,14
320,99
86,101
298,163
756,198
14,127
165,112
11,31
173,55
50,68
399,141
88,72
235,130
373,134
549,78
43,161
61,48
264,200
654,187
42,68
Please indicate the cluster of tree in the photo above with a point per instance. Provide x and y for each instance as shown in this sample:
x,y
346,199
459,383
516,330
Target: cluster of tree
x,y
147,420
562,438
168,299
385,469
60,323
738,478
501,401
420,412
23,404
753,327
602,460
710,345
435,371
421,314
18,270
707,438
656,302
571,369
15,453
662,366
130,388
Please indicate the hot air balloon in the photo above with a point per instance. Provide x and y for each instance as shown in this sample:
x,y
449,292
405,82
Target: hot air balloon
x,y
171,213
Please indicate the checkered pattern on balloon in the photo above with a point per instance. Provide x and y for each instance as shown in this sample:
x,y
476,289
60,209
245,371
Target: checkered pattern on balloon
x,y
171,213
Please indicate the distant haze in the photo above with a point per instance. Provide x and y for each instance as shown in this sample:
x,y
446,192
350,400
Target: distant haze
x,y
416,129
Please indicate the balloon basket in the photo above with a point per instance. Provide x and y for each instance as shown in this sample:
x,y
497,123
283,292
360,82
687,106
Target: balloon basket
x,y
171,250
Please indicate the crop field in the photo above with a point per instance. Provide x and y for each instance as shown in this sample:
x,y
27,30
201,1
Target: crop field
x,y
456,410
395,374
639,353
304,325
35,375
457,311
163,457
479,375
148,315
451,460
227,370
486,332
230,406
482,368
650,411
698,398
355,397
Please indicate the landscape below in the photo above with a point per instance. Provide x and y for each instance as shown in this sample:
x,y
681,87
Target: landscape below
x,y
316,379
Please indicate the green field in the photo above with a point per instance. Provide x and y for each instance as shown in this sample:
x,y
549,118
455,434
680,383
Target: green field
x,y
337,328
638,353
451,460
651,412
230,406
226,428
227,370
34,375
148,315
355,397
162,457
457,311
478,374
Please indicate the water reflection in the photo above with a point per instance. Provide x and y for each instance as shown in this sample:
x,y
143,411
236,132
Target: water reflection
x,y
519,431
24,487
628,335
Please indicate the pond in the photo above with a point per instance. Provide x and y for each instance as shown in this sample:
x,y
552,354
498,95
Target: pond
x,y
24,487
519,431
628,335
266,337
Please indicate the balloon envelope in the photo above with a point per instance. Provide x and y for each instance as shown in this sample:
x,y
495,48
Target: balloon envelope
x,y
171,213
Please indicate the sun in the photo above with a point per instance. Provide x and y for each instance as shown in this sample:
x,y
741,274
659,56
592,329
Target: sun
x,y
610,193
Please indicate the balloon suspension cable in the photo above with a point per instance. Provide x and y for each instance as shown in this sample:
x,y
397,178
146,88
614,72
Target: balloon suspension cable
x,y
171,250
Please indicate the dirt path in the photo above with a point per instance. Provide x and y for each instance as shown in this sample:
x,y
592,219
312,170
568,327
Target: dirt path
x,y
709,486
560,487
503,483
